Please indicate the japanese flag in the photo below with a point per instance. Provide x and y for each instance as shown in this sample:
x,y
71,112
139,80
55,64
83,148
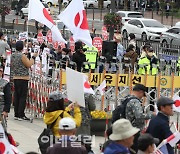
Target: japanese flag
x,y
176,106
38,12
87,86
74,17
5,146
101,88
173,139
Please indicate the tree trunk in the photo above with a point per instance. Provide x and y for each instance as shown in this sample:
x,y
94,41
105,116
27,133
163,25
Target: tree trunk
x,y
111,33
126,5
100,4
2,21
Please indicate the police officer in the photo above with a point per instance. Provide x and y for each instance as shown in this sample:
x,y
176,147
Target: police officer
x,y
91,56
159,125
148,64
5,95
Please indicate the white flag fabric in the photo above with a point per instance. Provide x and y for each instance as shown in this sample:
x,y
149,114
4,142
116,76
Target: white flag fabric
x,y
74,17
101,88
5,146
87,86
173,139
38,12
176,106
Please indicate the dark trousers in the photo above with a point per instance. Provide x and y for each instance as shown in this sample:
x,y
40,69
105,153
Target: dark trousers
x,y
20,95
135,145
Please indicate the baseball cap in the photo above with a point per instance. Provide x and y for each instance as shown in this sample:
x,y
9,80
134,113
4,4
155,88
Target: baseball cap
x,y
145,140
67,124
55,96
139,87
164,101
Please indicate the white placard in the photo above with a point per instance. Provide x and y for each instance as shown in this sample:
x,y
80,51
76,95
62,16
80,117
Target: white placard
x,y
75,87
23,36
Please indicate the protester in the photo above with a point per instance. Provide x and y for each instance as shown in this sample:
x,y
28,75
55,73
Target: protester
x,y
122,137
67,143
20,65
3,46
132,58
132,39
86,115
5,95
79,56
159,125
120,49
146,144
58,56
134,110
55,111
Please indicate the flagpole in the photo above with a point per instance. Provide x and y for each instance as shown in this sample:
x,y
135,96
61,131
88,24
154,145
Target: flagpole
x,y
27,29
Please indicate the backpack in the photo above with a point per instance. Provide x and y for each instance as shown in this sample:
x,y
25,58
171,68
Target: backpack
x,y
45,138
120,110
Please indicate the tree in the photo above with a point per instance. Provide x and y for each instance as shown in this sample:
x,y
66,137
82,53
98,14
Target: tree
x,y
4,10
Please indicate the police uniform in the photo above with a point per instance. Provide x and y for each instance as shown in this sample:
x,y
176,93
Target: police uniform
x,y
91,56
150,66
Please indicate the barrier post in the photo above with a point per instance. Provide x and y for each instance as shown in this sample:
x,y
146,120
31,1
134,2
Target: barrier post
x,y
145,83
172,83
102,97
117,90
159,84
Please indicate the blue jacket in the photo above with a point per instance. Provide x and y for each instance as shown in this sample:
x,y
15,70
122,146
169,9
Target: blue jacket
x,y
159,128
115,148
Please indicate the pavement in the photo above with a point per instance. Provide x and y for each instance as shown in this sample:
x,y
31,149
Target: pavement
x,y
26,133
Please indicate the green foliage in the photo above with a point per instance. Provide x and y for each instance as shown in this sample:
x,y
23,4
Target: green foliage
x,y
112,20
5,7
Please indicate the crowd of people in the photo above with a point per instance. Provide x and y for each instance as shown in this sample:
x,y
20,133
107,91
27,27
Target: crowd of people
x,y
69,122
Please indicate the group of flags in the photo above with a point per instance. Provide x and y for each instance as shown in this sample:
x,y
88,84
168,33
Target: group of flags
x,y
74,18
171,140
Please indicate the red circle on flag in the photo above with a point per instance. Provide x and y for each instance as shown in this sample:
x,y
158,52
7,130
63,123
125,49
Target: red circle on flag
x,y
84,24
49,36
87,85
47,16
97,42
40,37
177,103
2,147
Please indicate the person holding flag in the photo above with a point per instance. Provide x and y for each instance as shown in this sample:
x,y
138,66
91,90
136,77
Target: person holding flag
x,y
159,125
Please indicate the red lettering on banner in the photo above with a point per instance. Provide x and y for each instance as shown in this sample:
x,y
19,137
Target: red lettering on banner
x,y
72,44
40,37
97,42
104,33
49,36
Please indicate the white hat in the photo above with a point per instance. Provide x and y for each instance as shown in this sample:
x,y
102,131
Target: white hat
x,y
118,37
67,124
122,129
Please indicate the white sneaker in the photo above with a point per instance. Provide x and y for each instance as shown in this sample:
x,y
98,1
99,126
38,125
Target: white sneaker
x,y
15,118
20,119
